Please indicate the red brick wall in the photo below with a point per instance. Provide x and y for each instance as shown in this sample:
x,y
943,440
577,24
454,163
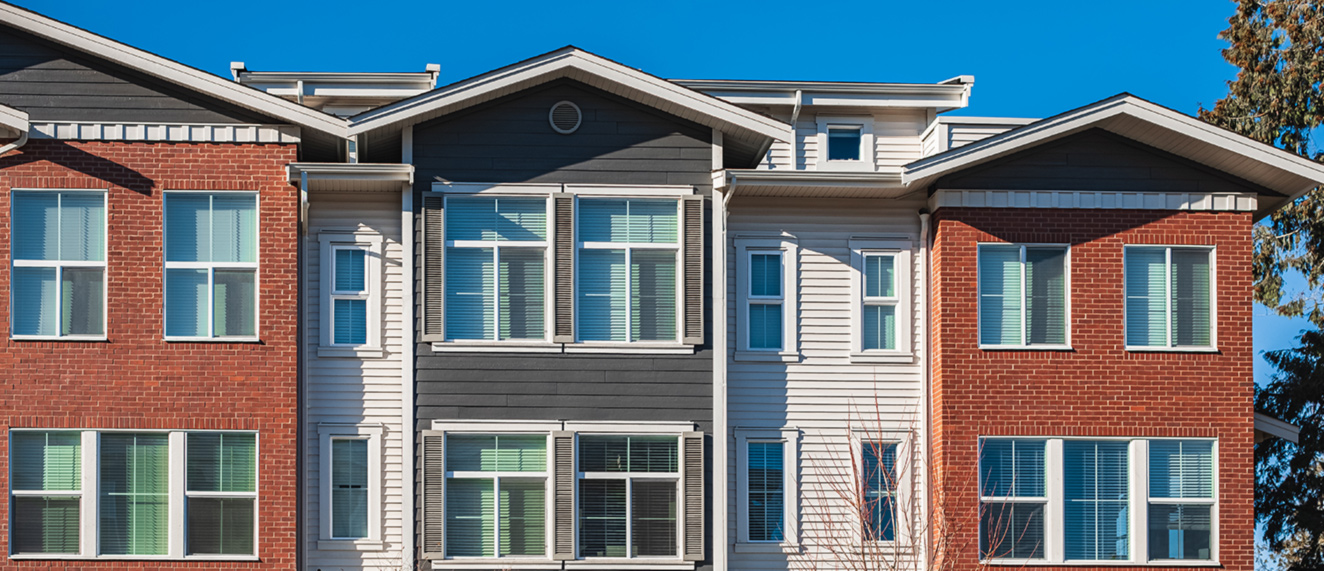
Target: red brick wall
x,y
135,379
1097,388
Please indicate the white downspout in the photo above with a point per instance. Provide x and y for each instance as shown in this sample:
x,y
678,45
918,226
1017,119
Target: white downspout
x,y
721,430
926,411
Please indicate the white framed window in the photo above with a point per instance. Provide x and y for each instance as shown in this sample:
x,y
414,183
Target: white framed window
x,y
1170,298
211,265
767,489
1092,500
881,489
629,496
58,264
766,283
350,484
627,270
845,143
1024,300
351,300
880,289
114,494
496,267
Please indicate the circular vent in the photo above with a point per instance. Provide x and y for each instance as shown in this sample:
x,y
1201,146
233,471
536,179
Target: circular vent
x,y
565,117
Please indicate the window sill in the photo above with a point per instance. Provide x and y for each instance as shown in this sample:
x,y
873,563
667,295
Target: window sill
x,y
350,545
881,357
213,340
1046,563
1026,348
64,339
1144,349
774,356
496,347
496,563
359,352
769,547
68,557
641,348
675,564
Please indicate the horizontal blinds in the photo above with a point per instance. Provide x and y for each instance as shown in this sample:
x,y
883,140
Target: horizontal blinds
x,y
521,293
1146,297
653,518
1012,530
234,228
186,302
45,524
879,276
629,220
1045,304
220,526
767,494
222,462
187,227
878,327
134,490
67,226
1096,480
1181,469
349,487
1190,279
36,299
602,518
653,295
46,461
351,321
1012,467
522,511
1180,531
350,270
234,303
470,293
602,290
629,454
211,227
765,326
496,453
470,517
519,219
1000,295
82,291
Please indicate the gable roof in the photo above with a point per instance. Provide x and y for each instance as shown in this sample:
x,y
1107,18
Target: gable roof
x,y
168,70
574,63
1285,173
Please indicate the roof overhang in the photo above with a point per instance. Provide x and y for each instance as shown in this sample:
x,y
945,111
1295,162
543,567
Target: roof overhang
x,y
168,70
1274,169
1267,427
581,66
13,122
816,184
943,96
351,177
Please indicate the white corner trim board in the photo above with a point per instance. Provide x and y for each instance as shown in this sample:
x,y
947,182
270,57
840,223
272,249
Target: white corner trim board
x,y
166,132
1100,199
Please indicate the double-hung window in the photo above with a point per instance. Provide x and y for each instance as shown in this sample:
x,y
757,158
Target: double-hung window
x,y
211,265
1023,296
1169,297
767,492
766,279
880,290
628,489
351,297
628,279
878,467
349,479
46,484
495,269
59,263
496,495
766,300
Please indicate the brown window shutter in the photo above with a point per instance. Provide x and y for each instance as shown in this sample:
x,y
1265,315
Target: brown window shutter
x,y
563,488
692,486
434,494
564,252
693,279
434,285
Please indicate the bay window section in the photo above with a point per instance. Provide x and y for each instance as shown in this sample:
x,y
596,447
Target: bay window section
x,y
496,495
46,489
58,264
1013,498
628,488
221,493
1022,296
1181,499
495,267
627,281
211,265
1169,297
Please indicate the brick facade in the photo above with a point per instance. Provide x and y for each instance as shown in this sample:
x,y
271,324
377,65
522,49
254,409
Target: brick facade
x,y
137,380
1097,388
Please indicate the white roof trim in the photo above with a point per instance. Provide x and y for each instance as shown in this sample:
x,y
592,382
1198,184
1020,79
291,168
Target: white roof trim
x,y
562,63
352,171
13,119
1277,428
168,70
166,132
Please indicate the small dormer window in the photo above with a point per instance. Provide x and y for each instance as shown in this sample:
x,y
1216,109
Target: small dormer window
x,y
844,142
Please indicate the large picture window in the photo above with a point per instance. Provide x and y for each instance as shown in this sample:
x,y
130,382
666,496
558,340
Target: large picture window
x,y
211,262
59,264
1169,297
627,269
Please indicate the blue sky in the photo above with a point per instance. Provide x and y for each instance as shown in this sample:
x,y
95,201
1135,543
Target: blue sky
x,y
1033,58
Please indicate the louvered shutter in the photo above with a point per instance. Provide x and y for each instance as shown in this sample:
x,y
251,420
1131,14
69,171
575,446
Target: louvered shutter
x,y
564,255
692,486
563,486
434,495
434,285
693,277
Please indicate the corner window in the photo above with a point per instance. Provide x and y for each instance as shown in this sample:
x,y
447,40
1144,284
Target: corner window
x,y
1169,297
766,314
211,265
767,489
1023,296
627,279
496,268
350,481
879,469
843,144
351,299
59,264
880,286
628,490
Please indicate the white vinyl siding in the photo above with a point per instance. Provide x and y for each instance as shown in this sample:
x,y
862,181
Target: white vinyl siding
x,y
1169,297
58,264
1023,296
627,277
211,263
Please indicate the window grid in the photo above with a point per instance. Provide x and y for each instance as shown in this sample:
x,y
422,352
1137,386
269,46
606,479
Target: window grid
x,y
629,249
630,479
235,491
763,296
1016,496
211,267
59,264
53,487
1167,296
497,246
361,295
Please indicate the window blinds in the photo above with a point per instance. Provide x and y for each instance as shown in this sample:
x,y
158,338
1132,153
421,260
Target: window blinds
x,y
1168,297
1012,468
46,461
1096,480
349,488
134,488
52,229
628,294
766,491
1000,295
1022,295
506,513
880,483
1181,469
496,290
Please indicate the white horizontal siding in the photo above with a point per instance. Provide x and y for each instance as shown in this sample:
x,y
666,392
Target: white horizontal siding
x,y
963,134
896,139
357,390
824,394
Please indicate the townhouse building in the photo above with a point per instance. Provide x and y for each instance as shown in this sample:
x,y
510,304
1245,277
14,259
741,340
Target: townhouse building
x,y
569,315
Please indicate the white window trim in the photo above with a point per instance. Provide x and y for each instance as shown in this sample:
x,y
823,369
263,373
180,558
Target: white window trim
x,y
59,266
1213,299
868,149
177,498
787,247
789,437
905,332
211,268
372,245
1024,345
326,433
1137,506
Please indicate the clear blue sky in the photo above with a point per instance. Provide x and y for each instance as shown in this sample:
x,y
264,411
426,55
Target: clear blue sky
x,y
1032,58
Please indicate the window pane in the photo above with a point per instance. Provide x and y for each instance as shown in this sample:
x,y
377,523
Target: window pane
x,y
1014,530
36,225
47,460
1000,295
767,492
235,303
1046,307
523,517
234,228
81,298
187,227
220,526
351,321
844,143
879,276
879,327
1179,531
221,462
350,270
496,453
1181,469
46,524
653,295
349,487
602,302
628,220
1011,467
83,226
765,275
653,531
880,483
186,300
602,518
1190,297
628,454
470,293
1146,306
522,304
1096,481
492,218
35,295
765,326
134,494
470,518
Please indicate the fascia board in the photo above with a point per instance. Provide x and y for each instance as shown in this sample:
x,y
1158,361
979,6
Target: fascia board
x,y
14,119
352,171
1275,427
171,71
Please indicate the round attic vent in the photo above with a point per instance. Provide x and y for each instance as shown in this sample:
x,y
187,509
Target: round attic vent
x,y
565,117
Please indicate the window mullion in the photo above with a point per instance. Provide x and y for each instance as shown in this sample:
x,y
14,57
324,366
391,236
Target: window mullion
x,y
496,516
496,292
1167,292
211,302
629,518
1025,302
629,296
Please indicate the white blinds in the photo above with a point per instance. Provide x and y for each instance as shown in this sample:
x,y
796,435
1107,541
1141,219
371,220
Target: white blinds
x,y
635,220
1169,296
349,488
50,462
65,225
496,267
1000,295
1096,485
59,252
1022,295
223,466
134,503
497,501
211,264
1181,469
